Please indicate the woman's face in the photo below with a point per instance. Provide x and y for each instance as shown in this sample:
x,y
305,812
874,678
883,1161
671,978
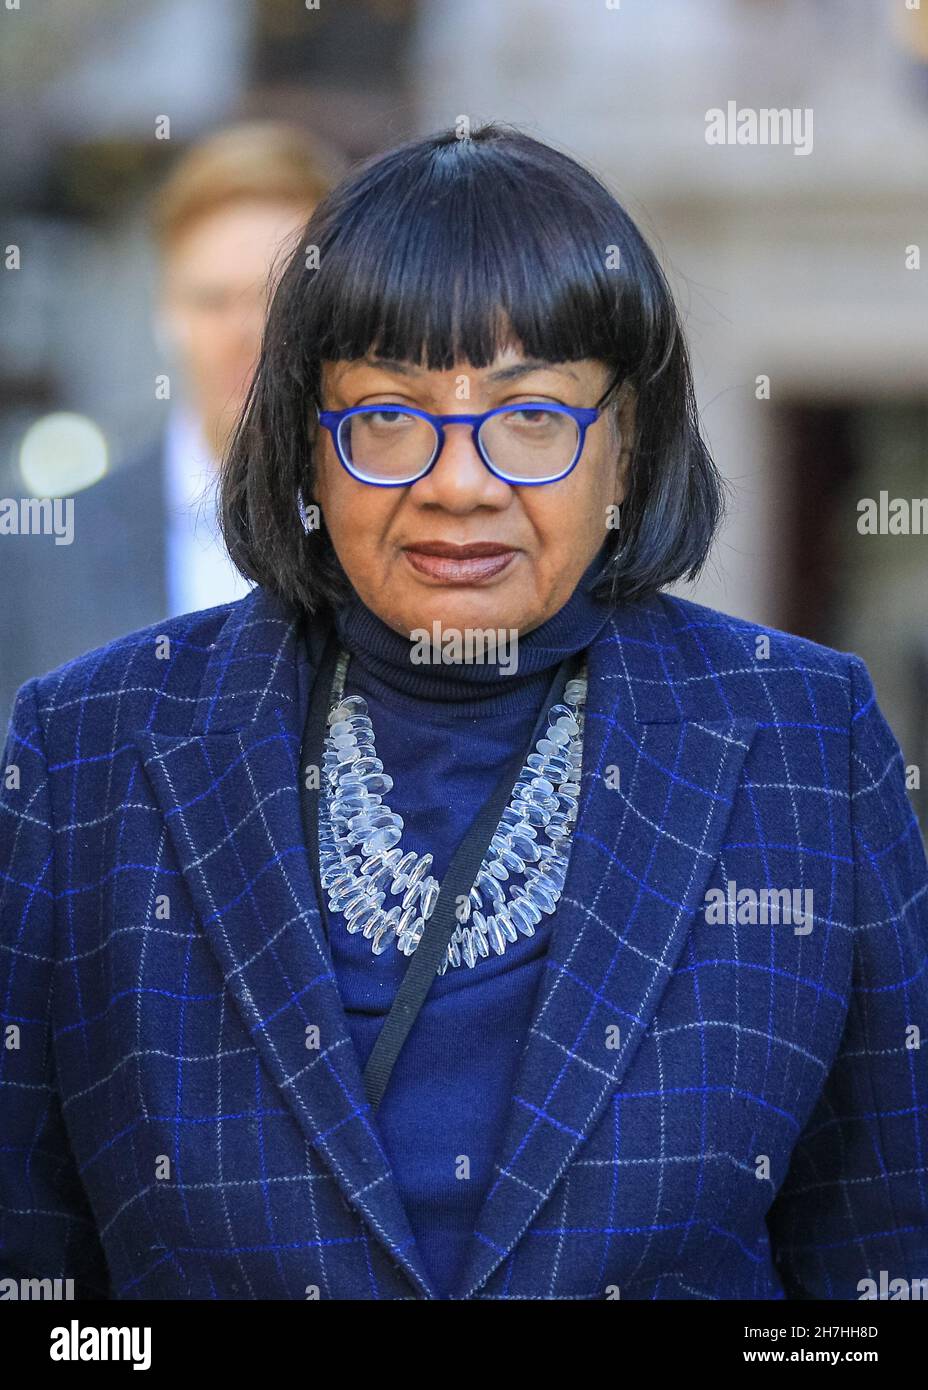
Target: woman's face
x,y
547,535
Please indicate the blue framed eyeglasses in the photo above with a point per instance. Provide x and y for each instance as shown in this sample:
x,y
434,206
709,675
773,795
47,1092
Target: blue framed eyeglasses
x,y
391,445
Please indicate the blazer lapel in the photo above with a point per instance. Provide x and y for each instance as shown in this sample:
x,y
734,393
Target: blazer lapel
x,y
230,798
656,792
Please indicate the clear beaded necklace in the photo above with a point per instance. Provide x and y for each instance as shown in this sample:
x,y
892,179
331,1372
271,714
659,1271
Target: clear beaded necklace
x,y
521,875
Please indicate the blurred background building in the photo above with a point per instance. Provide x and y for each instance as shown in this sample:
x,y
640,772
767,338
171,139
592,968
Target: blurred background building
x,y
799,273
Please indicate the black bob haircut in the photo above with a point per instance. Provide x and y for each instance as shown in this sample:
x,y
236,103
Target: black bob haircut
x,y
439,251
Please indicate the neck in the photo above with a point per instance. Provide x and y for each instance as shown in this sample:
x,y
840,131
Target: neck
x,y
389,662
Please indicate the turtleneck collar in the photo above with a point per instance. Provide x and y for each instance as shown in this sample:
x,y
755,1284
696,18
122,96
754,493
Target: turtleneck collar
x,y
382,658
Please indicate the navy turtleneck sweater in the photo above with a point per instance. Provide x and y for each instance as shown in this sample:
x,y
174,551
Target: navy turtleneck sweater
x,y
443,733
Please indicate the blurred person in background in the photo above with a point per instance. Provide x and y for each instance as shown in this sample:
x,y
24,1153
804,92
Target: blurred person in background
x,y
231,206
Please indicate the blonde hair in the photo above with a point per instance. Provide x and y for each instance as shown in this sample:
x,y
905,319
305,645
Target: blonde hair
x,y
268,161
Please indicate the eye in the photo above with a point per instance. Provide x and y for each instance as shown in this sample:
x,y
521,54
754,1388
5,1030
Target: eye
x,y
389,416
384,410
530,414
534,418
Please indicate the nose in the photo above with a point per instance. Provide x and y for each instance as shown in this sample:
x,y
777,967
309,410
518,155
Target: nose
x,y
459,479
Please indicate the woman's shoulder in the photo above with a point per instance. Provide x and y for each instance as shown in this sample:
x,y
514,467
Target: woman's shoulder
x,y
156,674
813,708
186,636
732,665
723,634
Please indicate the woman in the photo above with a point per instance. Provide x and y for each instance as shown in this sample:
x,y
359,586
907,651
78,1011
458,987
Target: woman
x,y
651,869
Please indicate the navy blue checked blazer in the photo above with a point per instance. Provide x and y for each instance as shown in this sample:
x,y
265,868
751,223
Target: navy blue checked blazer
x,y
701,1111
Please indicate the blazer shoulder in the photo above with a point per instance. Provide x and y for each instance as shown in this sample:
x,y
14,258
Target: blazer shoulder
x,y
757,670
162,663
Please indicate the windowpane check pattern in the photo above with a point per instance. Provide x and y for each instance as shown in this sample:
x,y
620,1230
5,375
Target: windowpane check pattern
x,y
700,1111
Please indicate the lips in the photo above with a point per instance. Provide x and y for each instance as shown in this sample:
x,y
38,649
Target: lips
x,y
459,564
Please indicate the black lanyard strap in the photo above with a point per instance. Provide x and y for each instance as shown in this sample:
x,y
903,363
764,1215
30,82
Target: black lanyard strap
x,y
456,883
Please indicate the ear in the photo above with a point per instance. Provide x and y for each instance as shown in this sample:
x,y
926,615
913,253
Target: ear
x,y
623,424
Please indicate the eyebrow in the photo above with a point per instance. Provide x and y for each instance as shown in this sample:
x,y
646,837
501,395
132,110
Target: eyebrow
x,y
513,373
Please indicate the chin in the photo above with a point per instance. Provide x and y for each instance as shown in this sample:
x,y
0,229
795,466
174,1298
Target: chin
x,y
462,609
